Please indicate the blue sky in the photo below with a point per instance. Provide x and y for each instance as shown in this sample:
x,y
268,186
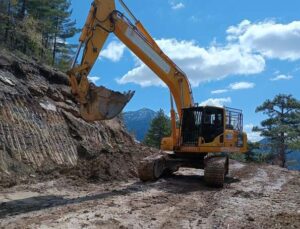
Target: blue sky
x,y
235,53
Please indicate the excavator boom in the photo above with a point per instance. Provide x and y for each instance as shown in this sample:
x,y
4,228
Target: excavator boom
x,y
101,103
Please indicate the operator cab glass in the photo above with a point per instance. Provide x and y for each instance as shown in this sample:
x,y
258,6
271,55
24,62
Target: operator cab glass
x,y
205,122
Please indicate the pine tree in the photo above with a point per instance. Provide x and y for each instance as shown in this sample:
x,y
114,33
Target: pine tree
x,y
250,155
64,28
160,127
282,127
39,29
7,11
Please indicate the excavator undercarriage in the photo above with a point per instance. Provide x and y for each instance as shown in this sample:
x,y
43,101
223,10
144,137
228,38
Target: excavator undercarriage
x,y
164,164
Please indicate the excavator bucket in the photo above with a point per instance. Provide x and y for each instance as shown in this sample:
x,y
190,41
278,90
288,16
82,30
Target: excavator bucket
x,y
103,104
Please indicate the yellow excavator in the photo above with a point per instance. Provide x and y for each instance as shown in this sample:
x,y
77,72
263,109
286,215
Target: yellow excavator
x,y
204,135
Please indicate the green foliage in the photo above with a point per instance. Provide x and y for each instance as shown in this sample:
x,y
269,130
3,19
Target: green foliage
x,y
160,127
250,155
264,157
238,157
282,127
38,29
254,154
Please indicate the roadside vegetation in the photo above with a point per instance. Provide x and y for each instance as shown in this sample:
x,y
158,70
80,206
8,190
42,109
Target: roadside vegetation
x,y
160,127
38,29
281,129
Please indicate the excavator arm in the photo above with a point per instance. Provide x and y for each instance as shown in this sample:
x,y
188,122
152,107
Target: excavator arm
x,y
96,103
99,103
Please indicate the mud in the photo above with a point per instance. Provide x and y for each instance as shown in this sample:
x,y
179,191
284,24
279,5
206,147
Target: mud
x,y
253,197
42,135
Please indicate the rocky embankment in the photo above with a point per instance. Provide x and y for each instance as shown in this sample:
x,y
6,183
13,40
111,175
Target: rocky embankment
x,y
41,131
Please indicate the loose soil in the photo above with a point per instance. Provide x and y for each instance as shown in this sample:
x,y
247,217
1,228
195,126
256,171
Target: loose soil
x,y
254,196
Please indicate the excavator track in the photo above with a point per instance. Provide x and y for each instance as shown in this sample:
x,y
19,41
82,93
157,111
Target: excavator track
x,y
215,170
151,168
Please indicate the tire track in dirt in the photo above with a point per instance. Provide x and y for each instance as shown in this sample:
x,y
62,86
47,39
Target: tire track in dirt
x,y
254,197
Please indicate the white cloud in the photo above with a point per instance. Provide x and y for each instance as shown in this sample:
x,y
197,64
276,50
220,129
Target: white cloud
x,y
114,51
282,77
194,18
219,91
235,86
252,136
233,32
200,64
273,40
297,69
249,45
249,126
94,79
176,6
218,102
142,76
241,85
61,41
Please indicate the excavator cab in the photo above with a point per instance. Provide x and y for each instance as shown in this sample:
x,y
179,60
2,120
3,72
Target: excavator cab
x,y
212,128
201,122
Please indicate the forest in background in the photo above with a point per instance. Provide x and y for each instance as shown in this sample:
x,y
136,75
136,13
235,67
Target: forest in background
x,y
38,29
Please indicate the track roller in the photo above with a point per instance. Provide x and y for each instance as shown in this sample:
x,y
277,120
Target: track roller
x,y
151,168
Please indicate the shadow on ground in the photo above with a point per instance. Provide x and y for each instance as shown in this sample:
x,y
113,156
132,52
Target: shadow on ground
x,y
175,184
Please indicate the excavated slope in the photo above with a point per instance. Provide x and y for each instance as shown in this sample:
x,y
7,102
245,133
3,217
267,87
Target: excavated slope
x,y
41,131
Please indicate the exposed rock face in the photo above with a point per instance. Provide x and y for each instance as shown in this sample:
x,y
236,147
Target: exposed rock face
x,y
40,127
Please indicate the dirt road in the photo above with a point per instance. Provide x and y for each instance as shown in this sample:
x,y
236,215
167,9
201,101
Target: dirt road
x,y
253,197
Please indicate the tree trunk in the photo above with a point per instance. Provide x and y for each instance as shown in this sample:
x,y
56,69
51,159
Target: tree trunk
x,y
282,159
281,155
54,50
8,22
22,10
55,44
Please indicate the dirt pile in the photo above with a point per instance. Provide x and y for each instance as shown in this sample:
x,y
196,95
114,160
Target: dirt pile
x,y
41,131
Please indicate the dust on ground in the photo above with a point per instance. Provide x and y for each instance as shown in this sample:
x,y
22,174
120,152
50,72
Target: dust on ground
x,y
254,196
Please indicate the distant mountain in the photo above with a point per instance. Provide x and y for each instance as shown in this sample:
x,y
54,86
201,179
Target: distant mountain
x,y
138,122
